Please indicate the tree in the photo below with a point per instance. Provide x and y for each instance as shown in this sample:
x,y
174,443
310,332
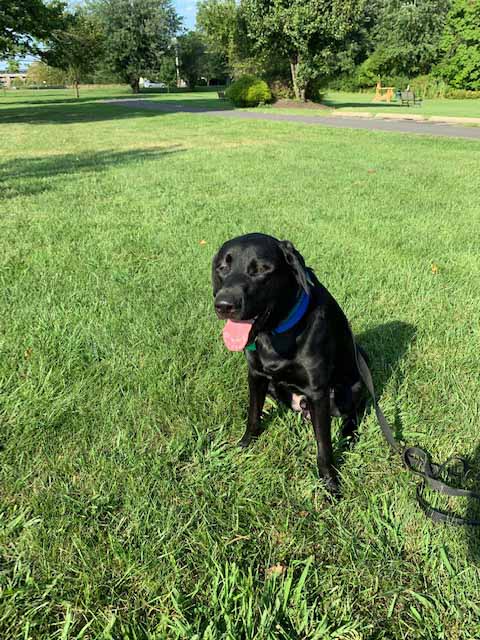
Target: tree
x,y
214,66
76,47
308,32
25,22
217,22
460,66
13,66
167,72
40,73
138,34
192,57
406,36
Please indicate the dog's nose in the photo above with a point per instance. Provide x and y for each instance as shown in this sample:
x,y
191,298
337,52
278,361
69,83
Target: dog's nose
x,y
224,307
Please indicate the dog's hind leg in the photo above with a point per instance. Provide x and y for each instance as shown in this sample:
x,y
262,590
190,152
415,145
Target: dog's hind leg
x,y
352,419
354,411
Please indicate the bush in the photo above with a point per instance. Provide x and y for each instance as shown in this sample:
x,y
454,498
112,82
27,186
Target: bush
x,y
281,90
429,87
248,91
363,83
461,94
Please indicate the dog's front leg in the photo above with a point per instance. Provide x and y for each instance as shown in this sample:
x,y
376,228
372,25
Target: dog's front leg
x,y
257,386
319,405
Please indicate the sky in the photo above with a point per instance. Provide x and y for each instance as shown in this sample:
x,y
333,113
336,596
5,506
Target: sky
x,y
187,9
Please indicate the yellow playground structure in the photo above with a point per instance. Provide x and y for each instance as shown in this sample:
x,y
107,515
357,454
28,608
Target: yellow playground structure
x,y
383,94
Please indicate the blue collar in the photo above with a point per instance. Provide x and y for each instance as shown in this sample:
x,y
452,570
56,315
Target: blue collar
x,y
293,318
295,315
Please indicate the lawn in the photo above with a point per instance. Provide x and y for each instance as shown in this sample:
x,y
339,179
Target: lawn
x,y
337,101
434,107
126,509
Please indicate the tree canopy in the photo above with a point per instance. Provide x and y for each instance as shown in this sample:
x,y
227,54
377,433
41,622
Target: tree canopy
x,y
299,44
460,66
24,23
76,47
137,34
309,34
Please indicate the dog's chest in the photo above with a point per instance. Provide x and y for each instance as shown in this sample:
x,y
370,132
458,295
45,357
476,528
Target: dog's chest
x,y
278,367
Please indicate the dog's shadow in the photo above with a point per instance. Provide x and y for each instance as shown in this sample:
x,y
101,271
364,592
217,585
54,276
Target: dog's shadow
x,y
473,507
386,345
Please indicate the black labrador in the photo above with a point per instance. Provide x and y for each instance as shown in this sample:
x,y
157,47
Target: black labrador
x,y
296,338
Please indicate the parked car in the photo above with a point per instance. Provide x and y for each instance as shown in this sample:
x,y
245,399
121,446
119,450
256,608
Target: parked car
x,y
154,85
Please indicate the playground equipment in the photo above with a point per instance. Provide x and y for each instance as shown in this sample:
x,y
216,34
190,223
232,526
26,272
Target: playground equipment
x,y
383,94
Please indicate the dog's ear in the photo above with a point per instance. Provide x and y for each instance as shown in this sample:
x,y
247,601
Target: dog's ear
x,y
216,282
296,262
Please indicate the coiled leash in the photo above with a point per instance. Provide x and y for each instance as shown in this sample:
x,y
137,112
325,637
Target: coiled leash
x,y
418,461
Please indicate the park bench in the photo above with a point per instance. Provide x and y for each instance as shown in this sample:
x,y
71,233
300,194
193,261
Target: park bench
x,y
221,95
408,97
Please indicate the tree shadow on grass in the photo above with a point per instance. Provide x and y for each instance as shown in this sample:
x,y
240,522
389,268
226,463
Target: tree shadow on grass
x,y
30,176
335,104
107,109
58,100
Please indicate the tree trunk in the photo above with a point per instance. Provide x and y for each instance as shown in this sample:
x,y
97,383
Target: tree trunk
x,y
135,84
77,92
299,91
293,70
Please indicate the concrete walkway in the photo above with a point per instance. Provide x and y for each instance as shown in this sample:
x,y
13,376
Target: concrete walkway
x,y
351,122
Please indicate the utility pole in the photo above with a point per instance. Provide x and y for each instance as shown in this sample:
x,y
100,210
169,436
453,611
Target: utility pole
x,y
177,66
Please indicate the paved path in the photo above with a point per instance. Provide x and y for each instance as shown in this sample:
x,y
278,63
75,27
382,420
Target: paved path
x,y
370,124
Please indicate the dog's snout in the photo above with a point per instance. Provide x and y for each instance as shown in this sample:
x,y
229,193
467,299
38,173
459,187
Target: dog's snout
x,y
227,305
224,307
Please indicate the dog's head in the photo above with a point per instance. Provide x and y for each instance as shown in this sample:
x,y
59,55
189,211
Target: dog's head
x,y
257,277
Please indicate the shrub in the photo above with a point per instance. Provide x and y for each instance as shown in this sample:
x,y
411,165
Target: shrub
x,y
18,83
346,82
315,90
281,90
462,94
429,87
248,91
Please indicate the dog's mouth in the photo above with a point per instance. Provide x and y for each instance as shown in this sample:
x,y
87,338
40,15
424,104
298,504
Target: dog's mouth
x,y
236,334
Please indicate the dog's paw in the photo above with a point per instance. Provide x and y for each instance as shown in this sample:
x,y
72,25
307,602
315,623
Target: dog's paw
x,y
333,487
245,441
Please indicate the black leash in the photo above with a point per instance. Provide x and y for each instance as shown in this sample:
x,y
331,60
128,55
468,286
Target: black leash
x,y
418,461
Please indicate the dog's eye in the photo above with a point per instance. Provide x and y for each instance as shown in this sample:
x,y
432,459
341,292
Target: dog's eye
x,y
258,269
224,266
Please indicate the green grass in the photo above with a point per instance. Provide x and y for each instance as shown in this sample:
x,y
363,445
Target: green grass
x,y
335,100
433,107
126,509
362,102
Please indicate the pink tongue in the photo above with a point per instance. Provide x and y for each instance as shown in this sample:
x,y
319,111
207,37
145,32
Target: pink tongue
x,y
235,334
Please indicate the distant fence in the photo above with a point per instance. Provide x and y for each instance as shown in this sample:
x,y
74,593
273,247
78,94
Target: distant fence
x,y
200,88
204,89
43,86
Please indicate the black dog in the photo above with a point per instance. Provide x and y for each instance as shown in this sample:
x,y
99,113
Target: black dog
x,y
297,340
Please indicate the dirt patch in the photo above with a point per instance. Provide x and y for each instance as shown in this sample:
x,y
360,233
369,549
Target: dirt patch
x,y
297,104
